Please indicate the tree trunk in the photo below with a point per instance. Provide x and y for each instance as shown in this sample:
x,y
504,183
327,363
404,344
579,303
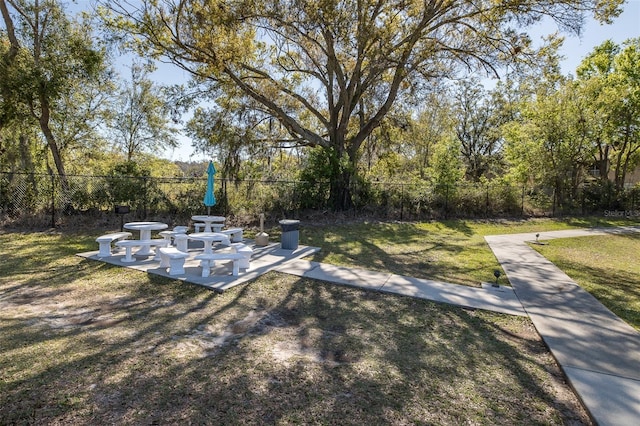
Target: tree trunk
x,y
559,192
25,154
27,161
602,163
45,113
340,191
340,175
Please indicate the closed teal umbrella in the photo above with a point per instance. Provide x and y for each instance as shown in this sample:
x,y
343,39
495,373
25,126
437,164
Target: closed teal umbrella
x,y
209,197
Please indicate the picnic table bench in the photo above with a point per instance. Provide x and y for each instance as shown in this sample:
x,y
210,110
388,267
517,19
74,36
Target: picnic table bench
x,y
104,242
207,260
172,258
234,234
170,236
246,253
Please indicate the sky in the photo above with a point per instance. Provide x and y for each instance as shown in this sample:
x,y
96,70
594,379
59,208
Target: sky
x,y
574,50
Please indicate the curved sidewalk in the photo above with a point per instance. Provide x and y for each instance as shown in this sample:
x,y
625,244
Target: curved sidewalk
x,y
599,353
501,299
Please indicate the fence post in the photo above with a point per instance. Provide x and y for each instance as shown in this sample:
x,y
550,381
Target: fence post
x,y
446,202
145,196
522,201
486,208
53,201
401,201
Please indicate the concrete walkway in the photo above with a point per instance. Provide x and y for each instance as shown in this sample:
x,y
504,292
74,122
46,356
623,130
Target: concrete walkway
x,y
501,299
599,353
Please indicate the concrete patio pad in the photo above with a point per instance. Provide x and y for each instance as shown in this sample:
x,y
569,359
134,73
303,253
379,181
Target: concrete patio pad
x,y
263,260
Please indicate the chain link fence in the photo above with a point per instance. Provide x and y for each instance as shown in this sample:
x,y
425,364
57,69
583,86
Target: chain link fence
x,y
41,200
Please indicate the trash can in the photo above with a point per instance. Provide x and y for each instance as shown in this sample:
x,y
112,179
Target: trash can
x,y
290,234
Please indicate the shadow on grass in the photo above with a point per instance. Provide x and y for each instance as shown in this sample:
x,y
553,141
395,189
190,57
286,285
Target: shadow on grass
x,y
102,344
449,252
459,226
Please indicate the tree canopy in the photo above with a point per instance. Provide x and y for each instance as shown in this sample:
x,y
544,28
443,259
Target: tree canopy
x,y
356,92
330,70
610,81
45,60
140,118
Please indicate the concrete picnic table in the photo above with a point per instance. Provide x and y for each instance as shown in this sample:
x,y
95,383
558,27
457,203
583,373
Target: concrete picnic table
x,y
211,223
145,229
208,238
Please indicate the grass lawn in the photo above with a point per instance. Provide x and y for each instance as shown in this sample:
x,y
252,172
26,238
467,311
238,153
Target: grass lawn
x,y
452,251
608,267
84,342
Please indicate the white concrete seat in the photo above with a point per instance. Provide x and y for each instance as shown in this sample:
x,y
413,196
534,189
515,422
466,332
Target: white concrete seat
x,y
167,235
129,244
235,234
172,258
170,236
207,260
157,245
181,241
104,242
215,227
245,251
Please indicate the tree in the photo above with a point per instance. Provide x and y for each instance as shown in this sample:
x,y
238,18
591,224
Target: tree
x,y
609,78
16,131
402,146
140,121
434,123
128,183
447,169
230,129
477,129
549,144
46,55
330,70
